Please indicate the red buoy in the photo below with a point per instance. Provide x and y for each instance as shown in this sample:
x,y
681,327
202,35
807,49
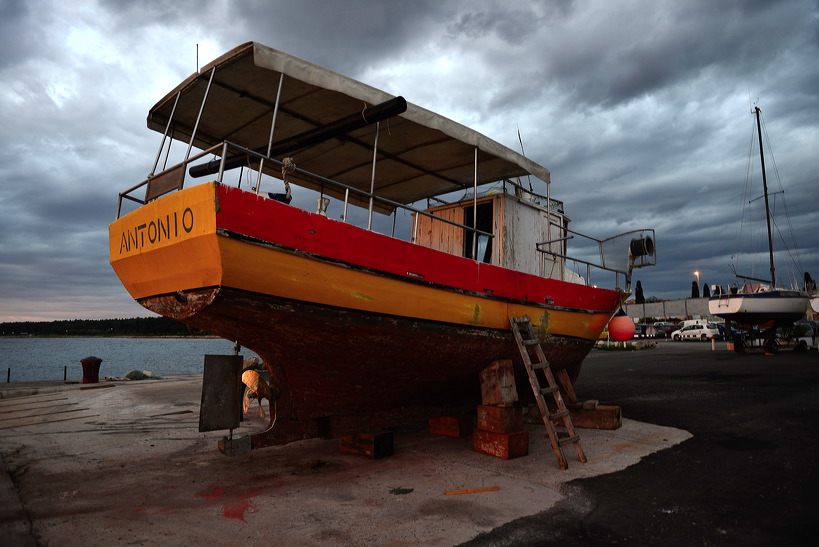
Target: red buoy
x,y
621,327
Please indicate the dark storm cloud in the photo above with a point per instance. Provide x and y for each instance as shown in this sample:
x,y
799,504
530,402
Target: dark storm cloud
x,y
510,24
343,36
614,56
14,44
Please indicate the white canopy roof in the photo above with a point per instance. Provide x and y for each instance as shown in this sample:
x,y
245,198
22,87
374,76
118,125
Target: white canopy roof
x,y
420,154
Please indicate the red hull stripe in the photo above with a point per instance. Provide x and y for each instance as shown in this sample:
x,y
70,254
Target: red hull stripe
x,y
406,279
263,221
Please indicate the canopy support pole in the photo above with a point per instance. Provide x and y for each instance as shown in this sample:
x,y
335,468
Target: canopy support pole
x,y
372,178
346,201
475,209
199,116
222,164
168,151
272,129
165,135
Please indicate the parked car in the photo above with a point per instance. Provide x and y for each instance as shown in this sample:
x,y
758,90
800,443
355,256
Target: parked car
x,y
663,329
801,335
644,331
695,332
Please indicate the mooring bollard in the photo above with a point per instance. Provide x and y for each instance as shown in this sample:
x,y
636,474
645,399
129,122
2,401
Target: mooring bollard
x,y
90,370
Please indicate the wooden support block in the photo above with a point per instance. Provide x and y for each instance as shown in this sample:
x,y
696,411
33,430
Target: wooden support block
x,y
591,404
501,445
601,417
451,426
373,445
499,419
498,384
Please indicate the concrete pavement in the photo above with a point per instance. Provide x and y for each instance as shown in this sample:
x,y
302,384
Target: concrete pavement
x,y
126,465
749,475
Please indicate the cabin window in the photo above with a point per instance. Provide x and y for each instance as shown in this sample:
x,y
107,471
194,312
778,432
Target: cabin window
x,y
485,224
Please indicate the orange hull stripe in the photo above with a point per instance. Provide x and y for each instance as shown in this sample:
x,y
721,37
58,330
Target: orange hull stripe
x,y
213,260
268,271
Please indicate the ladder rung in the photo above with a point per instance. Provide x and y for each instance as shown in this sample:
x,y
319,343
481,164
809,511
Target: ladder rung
x,y
549,390
558,414
531,342
567,440
539,366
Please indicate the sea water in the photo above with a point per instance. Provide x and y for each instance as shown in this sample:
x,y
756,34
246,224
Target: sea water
x,y
29,359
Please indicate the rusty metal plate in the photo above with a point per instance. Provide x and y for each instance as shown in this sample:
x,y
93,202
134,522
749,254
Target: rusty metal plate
x,y
221,405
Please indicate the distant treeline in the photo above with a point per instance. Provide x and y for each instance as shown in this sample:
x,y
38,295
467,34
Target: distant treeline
x,y
139,326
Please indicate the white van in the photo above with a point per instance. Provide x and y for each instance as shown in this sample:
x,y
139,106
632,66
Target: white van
x,y
688,322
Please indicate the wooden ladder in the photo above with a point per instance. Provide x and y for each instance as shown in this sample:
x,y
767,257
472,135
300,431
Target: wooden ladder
x,y
526,340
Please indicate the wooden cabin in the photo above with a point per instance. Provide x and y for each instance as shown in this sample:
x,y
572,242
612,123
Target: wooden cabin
x,y
518,222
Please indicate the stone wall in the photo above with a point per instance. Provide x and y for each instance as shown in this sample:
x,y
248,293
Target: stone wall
x,y
686,308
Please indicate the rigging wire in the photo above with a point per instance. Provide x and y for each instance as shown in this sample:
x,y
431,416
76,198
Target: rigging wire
x,y
754,239
792,248
743,202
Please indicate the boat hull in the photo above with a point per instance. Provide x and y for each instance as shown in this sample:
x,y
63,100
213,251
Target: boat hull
x,y
344,369
779,307
356,328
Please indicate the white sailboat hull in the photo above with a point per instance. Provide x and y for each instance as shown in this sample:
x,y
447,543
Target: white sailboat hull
x,y
779,306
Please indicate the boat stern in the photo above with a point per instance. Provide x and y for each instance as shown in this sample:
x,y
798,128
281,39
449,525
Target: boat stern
x,y
169,245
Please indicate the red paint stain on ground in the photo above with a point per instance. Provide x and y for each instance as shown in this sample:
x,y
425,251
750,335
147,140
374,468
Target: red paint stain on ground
x,y
235,504
237,510
214,494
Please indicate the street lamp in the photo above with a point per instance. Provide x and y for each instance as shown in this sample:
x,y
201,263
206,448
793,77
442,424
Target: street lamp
x,y
697,273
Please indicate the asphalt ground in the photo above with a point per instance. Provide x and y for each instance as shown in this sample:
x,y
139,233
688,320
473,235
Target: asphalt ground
x,y
749,475
716,448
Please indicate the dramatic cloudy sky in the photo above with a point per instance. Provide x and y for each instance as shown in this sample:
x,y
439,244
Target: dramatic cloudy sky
x,y
640,109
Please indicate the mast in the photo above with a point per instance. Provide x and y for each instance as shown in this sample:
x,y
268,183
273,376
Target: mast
x,y
765,189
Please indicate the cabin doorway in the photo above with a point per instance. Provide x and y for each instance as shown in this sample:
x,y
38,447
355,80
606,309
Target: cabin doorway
x,y
485,223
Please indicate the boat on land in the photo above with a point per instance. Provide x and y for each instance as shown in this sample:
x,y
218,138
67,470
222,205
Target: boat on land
x,y
357,328
757,301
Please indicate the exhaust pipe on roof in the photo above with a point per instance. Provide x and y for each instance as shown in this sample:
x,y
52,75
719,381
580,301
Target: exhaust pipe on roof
x,y
350,123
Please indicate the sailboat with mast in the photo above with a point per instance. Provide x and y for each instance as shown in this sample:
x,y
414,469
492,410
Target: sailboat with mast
x,y
756,301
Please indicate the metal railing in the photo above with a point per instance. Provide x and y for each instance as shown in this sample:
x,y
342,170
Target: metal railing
x,y
227,146
629,250
160,176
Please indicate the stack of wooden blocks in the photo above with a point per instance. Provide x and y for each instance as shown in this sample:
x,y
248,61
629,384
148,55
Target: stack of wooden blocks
x,y
374,445
451,426
500,430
